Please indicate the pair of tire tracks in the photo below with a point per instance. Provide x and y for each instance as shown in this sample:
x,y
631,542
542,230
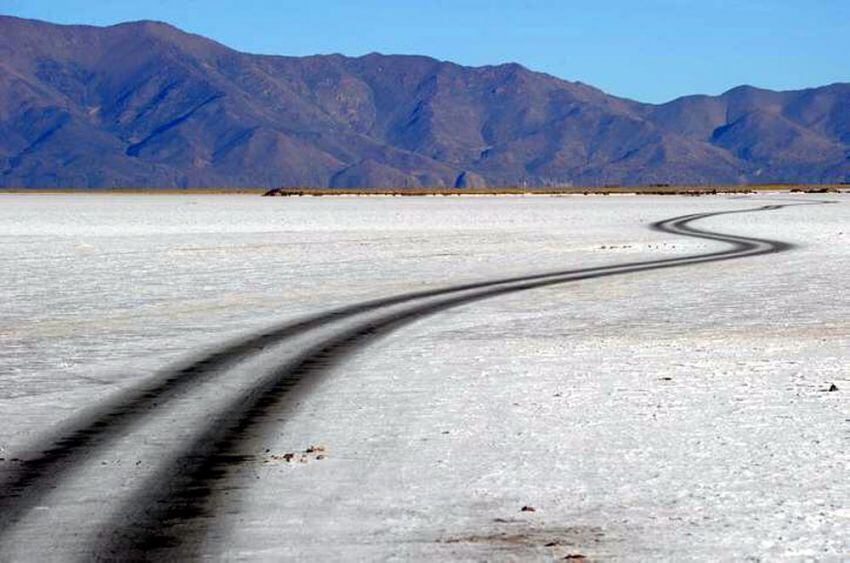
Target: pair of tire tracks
x,y
171,512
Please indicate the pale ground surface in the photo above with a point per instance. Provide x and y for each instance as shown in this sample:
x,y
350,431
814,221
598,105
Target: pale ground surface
x,y
675,414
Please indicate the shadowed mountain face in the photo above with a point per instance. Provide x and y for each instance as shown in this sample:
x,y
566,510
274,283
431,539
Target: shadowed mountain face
x,y
146,105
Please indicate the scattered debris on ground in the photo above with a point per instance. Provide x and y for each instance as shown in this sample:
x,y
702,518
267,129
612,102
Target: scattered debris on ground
x,y
527,508
523,539
312,453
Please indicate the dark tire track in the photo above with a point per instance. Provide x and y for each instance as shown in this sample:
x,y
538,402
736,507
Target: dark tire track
x,y
167,512
170,516
24,484
46,463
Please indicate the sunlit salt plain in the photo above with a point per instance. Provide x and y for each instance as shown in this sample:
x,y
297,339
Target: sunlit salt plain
x,y
673,414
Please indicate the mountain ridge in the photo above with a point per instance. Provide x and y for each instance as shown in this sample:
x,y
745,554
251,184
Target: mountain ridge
x,y
144,104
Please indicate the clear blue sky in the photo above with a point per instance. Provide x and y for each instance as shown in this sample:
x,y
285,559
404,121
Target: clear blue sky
x,y
650,50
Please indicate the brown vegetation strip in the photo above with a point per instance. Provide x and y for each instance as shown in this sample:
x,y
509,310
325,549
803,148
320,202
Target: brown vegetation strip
x,y
555,191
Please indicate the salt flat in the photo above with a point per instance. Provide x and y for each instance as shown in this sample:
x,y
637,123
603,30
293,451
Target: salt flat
x,y
673,414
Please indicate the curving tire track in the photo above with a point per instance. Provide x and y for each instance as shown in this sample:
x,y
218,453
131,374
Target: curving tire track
x,y
171,509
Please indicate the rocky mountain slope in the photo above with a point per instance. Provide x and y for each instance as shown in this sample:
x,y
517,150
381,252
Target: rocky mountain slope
x,y
146,105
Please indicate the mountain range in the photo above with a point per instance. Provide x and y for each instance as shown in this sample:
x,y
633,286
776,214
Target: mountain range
x,y
144,104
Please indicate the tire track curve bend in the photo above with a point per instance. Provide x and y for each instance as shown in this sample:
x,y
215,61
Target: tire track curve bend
x,y
166,506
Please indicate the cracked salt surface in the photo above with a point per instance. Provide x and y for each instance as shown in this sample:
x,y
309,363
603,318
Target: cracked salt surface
x,y
675,414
